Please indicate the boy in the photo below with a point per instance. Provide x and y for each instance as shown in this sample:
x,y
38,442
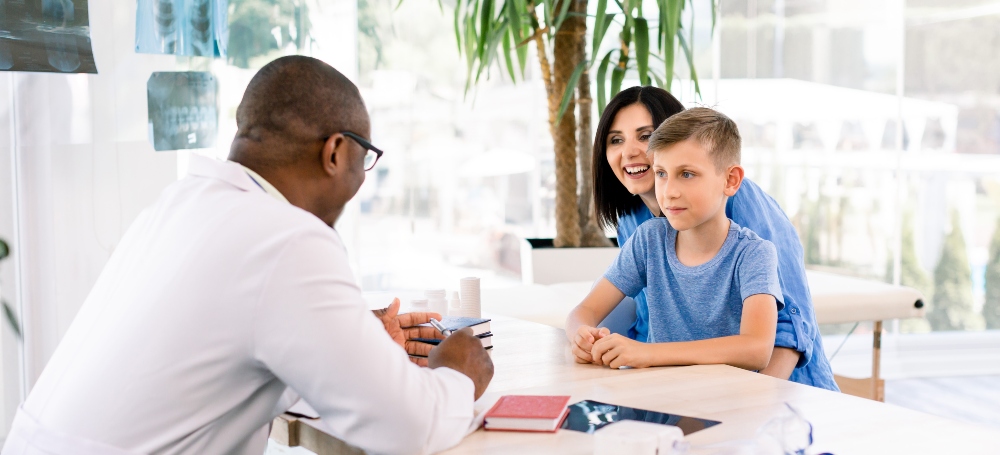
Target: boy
x,y
713,291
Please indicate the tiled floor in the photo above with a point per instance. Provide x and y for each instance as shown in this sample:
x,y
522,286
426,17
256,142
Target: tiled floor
x,y
974,399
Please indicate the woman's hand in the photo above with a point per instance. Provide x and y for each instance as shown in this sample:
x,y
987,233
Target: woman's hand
x,y
583,342
616,351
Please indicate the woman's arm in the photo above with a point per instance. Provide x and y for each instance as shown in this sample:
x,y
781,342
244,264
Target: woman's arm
x,y
783,361
751,207
751,349
581,324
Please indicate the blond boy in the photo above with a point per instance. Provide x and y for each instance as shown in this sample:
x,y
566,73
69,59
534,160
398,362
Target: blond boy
x,y
711,285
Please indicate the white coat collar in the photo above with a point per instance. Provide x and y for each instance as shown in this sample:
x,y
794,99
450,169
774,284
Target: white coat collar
x,y
267,186
227,171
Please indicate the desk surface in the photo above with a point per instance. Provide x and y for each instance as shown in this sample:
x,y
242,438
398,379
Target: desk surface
x,y
532,358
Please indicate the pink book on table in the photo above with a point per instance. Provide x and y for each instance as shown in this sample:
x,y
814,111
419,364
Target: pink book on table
x,y
527,413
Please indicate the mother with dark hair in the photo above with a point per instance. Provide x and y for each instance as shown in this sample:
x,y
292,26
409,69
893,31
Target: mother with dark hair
x,y
624,198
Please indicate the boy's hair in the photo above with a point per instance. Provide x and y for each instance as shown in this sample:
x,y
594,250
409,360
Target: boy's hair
x,y
712,129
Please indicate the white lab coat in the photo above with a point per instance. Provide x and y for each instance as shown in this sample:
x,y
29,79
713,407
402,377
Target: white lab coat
x,y
217,300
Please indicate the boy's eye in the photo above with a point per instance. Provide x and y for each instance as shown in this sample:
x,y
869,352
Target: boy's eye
x,y
686,174
661,174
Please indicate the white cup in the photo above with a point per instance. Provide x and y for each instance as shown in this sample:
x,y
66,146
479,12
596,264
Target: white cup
x,y
419,305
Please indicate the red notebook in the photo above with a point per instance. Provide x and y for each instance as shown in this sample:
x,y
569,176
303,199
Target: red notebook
x,y
527,413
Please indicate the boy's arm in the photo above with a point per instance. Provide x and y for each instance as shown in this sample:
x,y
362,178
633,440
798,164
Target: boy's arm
x,y
751,349
625,276
582,321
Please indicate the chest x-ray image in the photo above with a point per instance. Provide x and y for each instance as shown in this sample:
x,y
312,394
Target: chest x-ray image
x,y
182,27
45,36
182,110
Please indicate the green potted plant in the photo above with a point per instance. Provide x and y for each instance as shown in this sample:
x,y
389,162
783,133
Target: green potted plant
x,y
490,32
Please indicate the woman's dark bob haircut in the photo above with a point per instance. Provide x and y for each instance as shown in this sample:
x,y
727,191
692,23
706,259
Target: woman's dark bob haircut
x,y
611,199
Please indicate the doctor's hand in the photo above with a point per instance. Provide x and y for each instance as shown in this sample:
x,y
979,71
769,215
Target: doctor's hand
x,y
617,350
583,342
403,328
464,353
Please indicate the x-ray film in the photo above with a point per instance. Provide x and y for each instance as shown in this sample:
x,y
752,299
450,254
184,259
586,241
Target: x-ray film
x,y
182,110
45,36
182,27
588,416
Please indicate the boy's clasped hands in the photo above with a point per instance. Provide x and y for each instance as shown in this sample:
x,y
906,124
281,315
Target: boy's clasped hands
x,y
601,347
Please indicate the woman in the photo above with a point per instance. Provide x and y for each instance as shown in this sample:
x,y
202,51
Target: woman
x,y
624,198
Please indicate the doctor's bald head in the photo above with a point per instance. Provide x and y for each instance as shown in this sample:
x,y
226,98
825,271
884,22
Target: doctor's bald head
x,y
291,123
291,106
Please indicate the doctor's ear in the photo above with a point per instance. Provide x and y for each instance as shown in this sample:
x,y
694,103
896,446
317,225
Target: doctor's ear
x,y
335,145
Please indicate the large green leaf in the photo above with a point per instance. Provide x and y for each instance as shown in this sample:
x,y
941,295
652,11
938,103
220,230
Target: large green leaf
x,y
470,49
642,49
617,76
570,89
522,57
691,28
515,10
601,30
673,23
690,60
492,46
485,29
506,57
661,23
601,22
715,5
602,81
458,29
513,15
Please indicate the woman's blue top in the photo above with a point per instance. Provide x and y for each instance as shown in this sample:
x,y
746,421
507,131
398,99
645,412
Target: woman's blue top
x,y
751,207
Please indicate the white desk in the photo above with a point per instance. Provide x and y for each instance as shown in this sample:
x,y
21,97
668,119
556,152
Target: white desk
x,y
534,359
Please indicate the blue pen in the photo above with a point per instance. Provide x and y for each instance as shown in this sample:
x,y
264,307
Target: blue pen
x,y
437,325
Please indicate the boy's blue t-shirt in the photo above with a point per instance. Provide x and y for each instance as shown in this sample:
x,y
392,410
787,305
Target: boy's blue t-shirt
x,y
797,329
700,302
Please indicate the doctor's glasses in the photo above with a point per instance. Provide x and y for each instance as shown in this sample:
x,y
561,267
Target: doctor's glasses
x,y
373,153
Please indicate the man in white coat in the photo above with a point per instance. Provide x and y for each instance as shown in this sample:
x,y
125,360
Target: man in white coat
x,y
233,289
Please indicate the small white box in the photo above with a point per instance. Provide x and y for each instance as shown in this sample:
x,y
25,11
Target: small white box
x,y
632,437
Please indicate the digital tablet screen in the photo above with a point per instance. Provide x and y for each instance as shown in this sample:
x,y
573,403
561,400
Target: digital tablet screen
x,y
587,416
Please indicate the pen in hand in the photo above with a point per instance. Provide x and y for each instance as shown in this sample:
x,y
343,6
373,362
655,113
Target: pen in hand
x,y
437,325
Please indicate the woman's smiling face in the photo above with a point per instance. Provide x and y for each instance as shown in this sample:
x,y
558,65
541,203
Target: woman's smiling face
x,y
626,148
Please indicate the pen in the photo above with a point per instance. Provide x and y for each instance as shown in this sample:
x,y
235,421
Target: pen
x,y
437,325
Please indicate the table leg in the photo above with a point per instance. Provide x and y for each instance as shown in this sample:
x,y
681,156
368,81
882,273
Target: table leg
x,y
291,431
878,386
872,388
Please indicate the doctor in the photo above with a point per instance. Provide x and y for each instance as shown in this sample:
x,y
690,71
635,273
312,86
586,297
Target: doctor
x,y
233,288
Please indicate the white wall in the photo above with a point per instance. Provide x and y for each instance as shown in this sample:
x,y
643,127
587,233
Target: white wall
x,y
85,170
